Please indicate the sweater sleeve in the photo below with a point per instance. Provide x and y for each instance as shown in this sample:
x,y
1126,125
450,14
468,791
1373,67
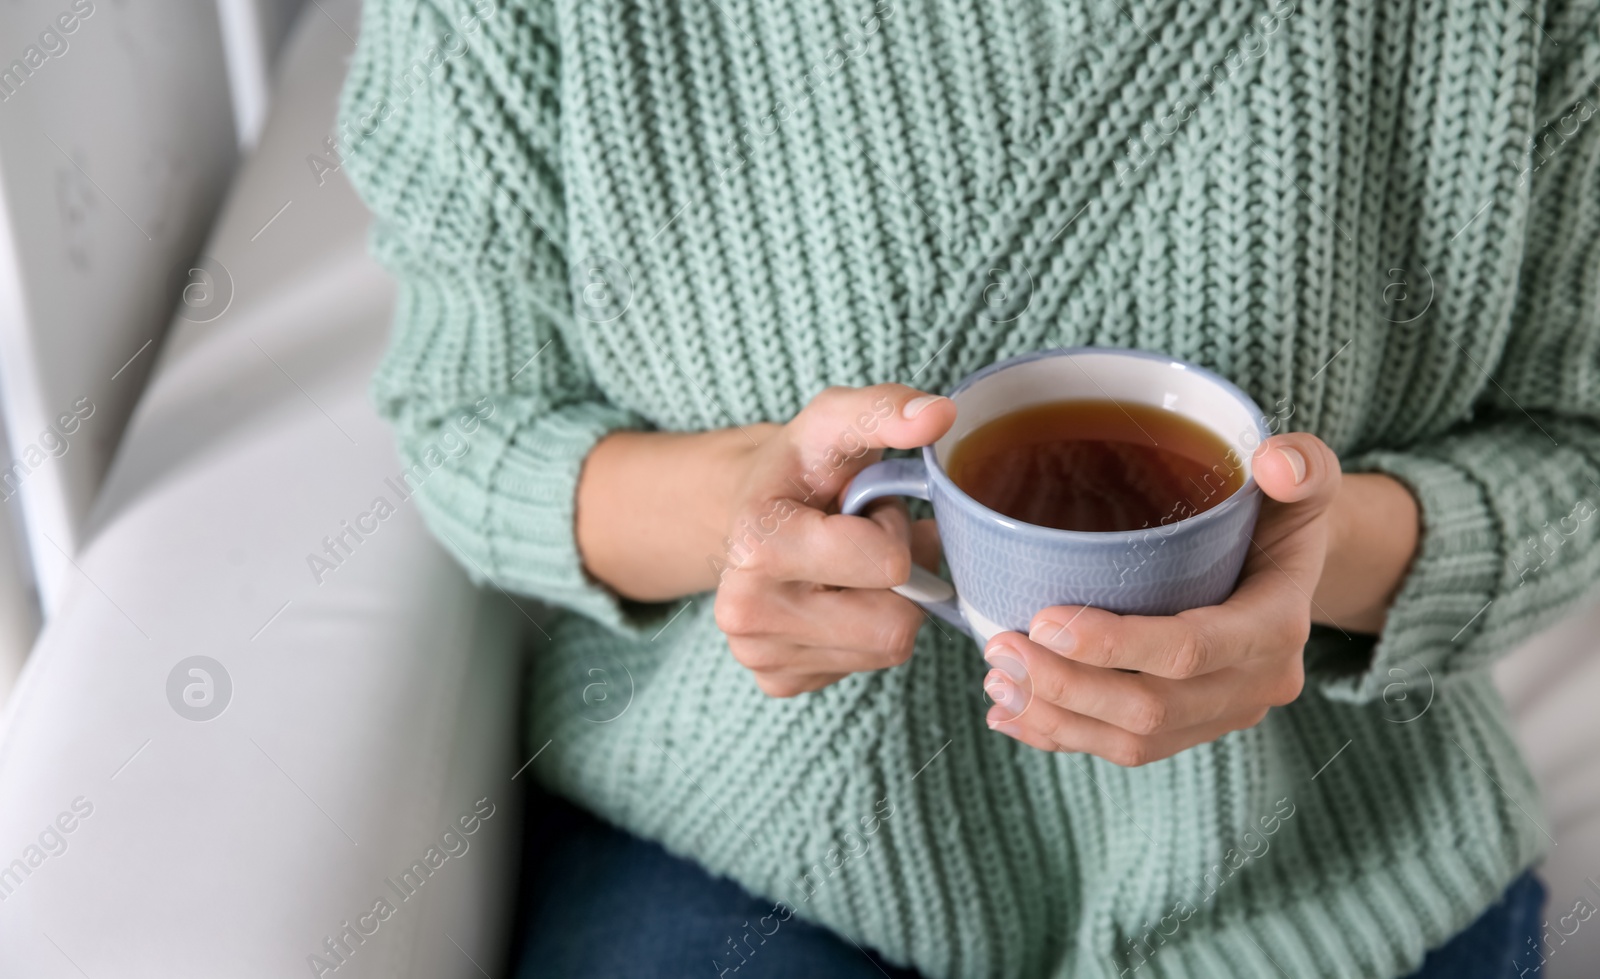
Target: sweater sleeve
x,y
451,120
1508,499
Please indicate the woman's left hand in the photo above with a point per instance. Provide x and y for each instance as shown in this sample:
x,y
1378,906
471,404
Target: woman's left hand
x,y
1201,673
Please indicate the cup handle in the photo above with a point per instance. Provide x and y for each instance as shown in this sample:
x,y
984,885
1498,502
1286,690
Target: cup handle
x,y
905,477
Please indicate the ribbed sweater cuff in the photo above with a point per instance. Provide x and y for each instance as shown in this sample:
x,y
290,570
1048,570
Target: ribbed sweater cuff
x,y
1454,576
530,513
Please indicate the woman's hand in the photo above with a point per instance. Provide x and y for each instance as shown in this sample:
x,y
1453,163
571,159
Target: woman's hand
x,y
1208,671
803,594
802,591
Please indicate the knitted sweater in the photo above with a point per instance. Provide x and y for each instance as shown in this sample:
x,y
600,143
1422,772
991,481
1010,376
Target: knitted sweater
x,y
1381,218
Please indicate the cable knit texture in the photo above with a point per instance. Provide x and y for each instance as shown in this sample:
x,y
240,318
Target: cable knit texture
x,y
1381,218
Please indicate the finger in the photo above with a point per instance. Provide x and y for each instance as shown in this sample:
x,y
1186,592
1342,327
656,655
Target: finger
x,y
1301,478
1050,728
1269,610
837,631
1297,468
891,514
925,546
799,668
1174,646
922,536
781,685
842,430
1287,549
1136,702
883,416
831,549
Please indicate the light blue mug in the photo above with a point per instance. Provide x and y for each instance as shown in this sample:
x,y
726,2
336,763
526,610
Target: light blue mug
x,y
1005,570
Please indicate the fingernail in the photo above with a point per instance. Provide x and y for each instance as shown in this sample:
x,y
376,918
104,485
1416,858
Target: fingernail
x,y
1297,462
1000,689
1053,636
1004,727
914,407
1007,662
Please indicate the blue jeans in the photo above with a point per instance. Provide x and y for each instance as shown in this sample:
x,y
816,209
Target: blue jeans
x,y
599,903
1496,945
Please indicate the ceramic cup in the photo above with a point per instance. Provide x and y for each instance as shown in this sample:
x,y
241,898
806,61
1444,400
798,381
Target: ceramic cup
x,y
1005,570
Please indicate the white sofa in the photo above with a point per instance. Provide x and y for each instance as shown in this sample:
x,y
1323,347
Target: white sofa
x,y
364,715
367,713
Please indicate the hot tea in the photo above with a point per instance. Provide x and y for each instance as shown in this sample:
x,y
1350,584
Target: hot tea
x,y
1095,466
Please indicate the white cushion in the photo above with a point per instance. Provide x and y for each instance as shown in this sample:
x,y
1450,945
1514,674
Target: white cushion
x,y
368,712
1552,685
112,158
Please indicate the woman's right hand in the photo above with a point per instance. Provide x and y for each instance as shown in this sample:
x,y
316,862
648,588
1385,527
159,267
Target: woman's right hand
x,y
803,591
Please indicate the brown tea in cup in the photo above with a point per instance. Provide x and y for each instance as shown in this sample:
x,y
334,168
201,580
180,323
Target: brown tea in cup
x,y
1096,465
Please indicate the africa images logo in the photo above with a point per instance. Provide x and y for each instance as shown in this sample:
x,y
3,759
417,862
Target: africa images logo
x,y
199,688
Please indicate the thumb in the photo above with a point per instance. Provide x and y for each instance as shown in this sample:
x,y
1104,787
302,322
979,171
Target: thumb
x,y
1298,468
844,430
883,416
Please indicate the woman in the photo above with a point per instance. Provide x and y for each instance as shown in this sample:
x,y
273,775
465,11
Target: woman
x,y
664,253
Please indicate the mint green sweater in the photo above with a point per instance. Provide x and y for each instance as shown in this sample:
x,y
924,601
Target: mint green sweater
x,y
1379,217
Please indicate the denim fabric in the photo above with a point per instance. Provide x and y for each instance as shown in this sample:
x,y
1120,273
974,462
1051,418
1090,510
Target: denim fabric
x,y
1496,945
599,903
